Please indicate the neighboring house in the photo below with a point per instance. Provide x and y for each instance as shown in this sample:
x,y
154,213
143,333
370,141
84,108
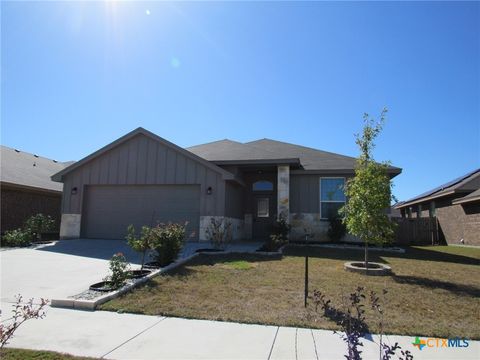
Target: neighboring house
x,y
456,206
26,187
142,179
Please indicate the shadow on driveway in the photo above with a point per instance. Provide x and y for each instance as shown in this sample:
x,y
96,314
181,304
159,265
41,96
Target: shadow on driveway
x,y
93,248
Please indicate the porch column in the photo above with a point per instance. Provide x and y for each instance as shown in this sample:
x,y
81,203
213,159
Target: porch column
x,y
283,192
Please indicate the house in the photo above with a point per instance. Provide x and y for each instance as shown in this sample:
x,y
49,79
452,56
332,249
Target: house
x,y
26,188
143,179
456,207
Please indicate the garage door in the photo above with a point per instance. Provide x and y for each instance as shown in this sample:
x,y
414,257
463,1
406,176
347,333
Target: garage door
x,y
108,210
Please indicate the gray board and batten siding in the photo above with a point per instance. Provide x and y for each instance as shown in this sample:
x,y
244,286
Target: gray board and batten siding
x,y
142,160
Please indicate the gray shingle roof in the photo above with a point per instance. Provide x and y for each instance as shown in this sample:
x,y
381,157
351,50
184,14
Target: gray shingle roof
x,y
229,150
456,185
311,159
25,169
267,149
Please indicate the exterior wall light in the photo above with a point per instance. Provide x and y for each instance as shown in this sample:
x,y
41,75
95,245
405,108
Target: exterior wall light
x,y
209,190
74,191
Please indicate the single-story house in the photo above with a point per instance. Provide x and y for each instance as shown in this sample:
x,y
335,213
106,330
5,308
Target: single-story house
x,y
26,187
142,179
456,206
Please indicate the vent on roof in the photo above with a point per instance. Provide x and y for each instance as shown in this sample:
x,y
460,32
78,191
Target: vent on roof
x,y
35,155
55,161
16,150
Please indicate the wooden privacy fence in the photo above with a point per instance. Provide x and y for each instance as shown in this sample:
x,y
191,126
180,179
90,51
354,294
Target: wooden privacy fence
x,y
424,231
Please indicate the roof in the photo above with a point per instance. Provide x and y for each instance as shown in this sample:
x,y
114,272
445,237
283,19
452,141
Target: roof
x,y
229,151
458,185
474,196
24,169
310,159
141,131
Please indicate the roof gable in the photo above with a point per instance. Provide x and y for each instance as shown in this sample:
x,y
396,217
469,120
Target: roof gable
x,y
141,131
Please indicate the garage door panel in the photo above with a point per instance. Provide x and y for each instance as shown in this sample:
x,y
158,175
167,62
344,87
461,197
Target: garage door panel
x,y
108,210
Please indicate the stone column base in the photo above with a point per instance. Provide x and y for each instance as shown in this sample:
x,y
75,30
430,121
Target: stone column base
x,y
70,226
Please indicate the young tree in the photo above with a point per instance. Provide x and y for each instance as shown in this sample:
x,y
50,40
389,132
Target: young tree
x,y
369,192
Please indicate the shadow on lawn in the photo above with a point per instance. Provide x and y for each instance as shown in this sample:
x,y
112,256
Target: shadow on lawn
x,y
458,289
412,253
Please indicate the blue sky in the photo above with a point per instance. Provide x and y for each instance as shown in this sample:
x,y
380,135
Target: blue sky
x,y
78,75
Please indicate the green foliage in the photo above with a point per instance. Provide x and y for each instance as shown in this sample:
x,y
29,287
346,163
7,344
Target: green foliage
x,y
38,224
167,241
219,232
369,192
279,236
119,268
142,243
336,228
16,238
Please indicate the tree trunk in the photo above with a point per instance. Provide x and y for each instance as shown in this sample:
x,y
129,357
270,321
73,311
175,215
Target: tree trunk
x,y
366,257
143,259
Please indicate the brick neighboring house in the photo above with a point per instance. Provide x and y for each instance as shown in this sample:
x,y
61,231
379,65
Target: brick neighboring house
x,y
456,205
26,188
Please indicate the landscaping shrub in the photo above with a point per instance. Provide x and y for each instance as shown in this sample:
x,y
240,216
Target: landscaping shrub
x,y
352,321
21,313
16,238
336,228
119,268
219,232
142,243
38,224
279,236
167,241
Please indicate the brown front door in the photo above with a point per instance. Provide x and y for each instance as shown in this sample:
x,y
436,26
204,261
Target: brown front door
x,y
263,215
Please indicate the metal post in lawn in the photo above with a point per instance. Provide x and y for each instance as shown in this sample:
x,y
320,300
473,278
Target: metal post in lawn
x,y
306,272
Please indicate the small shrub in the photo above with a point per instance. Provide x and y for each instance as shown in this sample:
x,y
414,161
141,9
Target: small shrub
x,y
167,241
17,238
279,236
142,243
21,313
119,268
352,321
336,229
38,224
219,232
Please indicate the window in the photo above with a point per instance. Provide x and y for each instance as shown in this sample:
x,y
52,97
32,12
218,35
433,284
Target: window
x,y
262,185
332,197
263,207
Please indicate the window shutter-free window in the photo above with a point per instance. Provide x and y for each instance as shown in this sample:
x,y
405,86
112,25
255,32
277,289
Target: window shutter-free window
x,y
332,196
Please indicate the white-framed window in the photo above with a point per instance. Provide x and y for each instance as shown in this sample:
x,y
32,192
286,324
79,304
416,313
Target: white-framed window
x,y
332,196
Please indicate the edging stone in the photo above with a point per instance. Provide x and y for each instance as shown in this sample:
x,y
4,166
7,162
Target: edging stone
x,y
91,305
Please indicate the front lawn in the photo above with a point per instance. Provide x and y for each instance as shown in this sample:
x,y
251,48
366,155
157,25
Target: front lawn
x,y
24,354
435,291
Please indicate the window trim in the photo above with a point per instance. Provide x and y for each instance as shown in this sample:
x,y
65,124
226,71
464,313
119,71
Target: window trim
x,y
328,201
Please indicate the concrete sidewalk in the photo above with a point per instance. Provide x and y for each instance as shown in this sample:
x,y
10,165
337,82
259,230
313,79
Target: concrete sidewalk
x,y
110,335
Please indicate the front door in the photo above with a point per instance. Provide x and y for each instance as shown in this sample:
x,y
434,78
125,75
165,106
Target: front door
x,y
263,215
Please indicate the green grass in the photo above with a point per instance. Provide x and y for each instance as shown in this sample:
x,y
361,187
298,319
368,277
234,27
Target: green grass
x,y
24,354
239,265
434,291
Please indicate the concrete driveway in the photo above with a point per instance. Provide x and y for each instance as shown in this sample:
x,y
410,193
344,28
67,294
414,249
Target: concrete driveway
x,y
65,268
